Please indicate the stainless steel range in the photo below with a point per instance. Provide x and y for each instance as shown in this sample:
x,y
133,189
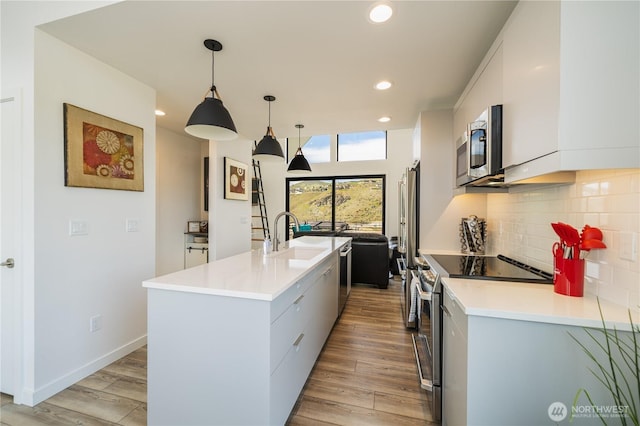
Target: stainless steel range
x,y
427,293
427,340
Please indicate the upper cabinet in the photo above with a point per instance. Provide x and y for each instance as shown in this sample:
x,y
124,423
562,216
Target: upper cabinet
x,y
531,82
567,75
571,91
485,89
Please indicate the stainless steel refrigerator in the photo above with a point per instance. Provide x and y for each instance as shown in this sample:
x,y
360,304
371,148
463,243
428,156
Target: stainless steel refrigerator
x,y
408,235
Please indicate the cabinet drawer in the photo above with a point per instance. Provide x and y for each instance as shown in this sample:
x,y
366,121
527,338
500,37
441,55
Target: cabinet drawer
x,y
286,329
280,304
289,378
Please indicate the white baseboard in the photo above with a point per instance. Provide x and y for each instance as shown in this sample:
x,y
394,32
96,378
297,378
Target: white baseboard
x,y
32,398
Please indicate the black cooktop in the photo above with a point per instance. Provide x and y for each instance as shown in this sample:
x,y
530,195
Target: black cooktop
x,y
499,268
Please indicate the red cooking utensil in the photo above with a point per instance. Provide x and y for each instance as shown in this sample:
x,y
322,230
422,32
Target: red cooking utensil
x,y
592,244
560,231
572,237
591,233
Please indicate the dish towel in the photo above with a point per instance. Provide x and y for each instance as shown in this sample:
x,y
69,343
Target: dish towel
x,y
414,297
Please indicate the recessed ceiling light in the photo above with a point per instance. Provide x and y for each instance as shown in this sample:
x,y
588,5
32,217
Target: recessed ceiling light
x,y
384,119
159,113
383,85
380,12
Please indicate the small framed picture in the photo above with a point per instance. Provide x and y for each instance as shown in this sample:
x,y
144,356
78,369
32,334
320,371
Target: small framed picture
x,y
193,226
235,180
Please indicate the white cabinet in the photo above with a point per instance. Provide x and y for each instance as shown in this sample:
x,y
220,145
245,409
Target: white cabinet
x,y
484,90
219,360
196,250
312,324
531,82
571,89
454,330
566,73
499,371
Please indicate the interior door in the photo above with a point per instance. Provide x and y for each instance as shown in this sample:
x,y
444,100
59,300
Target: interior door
x,y
9,228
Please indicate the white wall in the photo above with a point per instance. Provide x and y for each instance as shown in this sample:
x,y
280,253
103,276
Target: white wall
x,y
229,220
99,273
179,179
399,157
440,211
17,69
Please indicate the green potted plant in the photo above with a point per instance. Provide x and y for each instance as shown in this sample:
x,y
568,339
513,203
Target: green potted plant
x,y
617,367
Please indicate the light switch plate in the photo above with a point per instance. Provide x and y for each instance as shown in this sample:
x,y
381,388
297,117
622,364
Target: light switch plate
x,y
592,270
629,246
78,227
133,225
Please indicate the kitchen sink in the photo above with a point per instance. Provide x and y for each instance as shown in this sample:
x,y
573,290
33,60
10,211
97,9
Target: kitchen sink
x,y
299,253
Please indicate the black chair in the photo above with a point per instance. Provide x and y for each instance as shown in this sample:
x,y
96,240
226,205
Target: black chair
x,y
369,259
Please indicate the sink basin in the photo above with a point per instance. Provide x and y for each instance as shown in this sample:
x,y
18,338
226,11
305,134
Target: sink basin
x,y
299,253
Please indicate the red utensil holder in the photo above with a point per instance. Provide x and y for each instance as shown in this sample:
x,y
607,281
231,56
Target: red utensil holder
x,y
568,276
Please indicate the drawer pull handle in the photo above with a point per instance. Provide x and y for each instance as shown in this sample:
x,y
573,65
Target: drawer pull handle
x,y
299,299
446,311
298,340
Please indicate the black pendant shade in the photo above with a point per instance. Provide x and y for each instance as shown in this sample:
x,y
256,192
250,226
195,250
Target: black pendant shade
x,y
299,164
268,148
210,119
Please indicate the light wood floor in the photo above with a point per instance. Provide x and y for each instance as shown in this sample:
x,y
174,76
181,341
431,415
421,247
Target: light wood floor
x,y
365,375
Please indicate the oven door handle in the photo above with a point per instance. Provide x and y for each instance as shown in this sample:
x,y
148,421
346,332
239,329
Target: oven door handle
x,y
424,295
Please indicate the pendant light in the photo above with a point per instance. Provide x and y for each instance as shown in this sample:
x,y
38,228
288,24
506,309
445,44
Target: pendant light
x,y
210,119
299,164
269,148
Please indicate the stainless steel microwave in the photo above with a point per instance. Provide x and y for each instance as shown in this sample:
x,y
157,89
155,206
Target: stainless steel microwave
x,y
479,151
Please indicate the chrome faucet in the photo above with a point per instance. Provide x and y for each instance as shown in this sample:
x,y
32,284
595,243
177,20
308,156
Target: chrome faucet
x,y
275,227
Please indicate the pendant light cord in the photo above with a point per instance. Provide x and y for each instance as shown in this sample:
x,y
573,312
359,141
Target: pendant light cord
x,y
213,85
214,91
269,129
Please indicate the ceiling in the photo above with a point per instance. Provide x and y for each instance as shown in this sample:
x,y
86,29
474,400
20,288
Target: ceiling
x,y
320,59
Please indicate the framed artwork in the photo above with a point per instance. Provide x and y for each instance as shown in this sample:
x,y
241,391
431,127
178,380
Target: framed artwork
x,y
235,180
193,226
101,152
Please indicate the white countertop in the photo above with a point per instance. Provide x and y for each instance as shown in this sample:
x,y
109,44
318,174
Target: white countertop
x,y
534,302
251,275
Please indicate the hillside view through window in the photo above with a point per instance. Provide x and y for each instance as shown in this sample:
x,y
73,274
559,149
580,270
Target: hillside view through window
x,y
338,203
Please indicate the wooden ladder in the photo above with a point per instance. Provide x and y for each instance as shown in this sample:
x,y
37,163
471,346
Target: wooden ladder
x,y
259,228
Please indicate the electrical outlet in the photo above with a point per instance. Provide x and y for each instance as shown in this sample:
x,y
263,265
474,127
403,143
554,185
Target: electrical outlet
x,y
629,246
95,323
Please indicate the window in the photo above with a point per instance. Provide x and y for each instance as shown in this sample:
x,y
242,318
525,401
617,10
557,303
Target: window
x,y
316,149
354,203
362,146
311,201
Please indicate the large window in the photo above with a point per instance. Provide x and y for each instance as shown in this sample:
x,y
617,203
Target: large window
x,y
362,146
354,203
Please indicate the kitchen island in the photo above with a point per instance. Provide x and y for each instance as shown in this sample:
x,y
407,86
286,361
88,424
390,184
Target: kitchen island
x,y
233,341
509,356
